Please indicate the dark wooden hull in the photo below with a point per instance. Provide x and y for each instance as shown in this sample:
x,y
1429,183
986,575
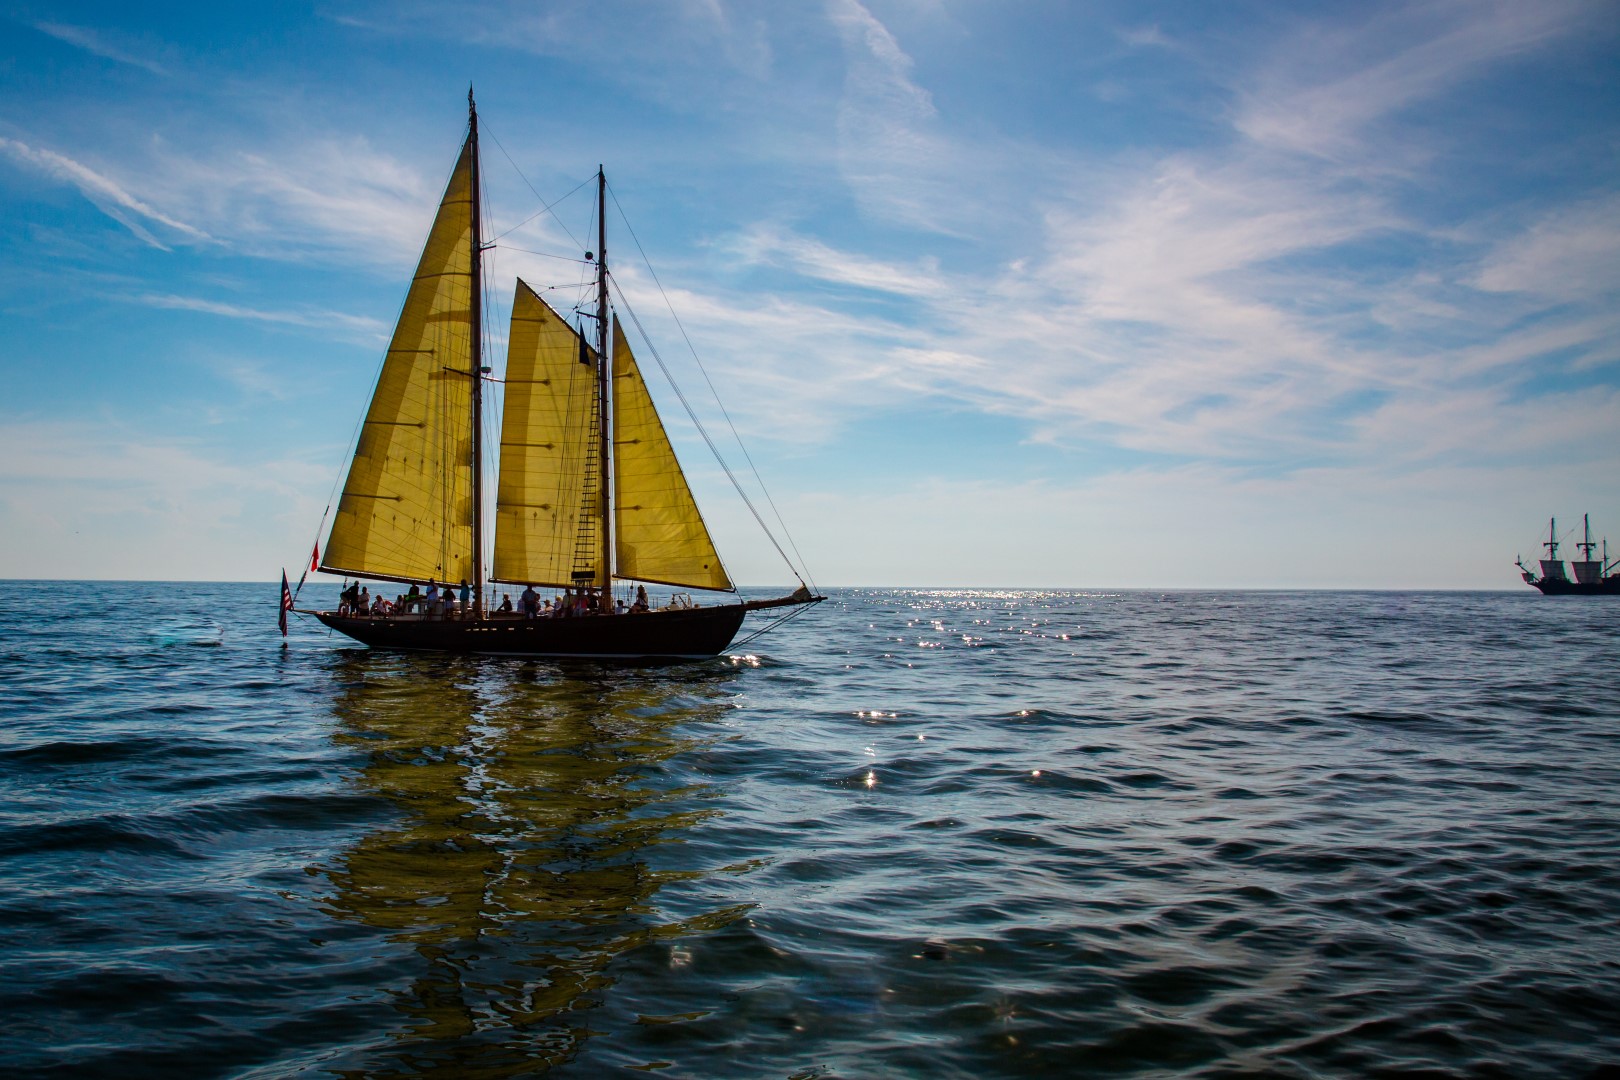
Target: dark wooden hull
x,y
674,634
1609,586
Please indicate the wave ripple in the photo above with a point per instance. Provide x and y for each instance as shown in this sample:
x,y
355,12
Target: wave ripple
x,y
943,833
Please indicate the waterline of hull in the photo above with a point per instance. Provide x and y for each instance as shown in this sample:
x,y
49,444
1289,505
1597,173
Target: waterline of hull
x,y
686,633
1609,586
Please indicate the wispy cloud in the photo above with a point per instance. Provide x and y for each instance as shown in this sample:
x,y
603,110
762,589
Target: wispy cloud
x,y
100,43
1204,305
321,320
1324,87
811,258
108,195
889,149
309,197
1571,253
297,198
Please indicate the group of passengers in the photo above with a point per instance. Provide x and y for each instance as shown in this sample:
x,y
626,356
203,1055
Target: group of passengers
x,y
575,603
358,600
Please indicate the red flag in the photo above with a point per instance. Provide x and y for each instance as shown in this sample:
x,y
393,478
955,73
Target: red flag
x,y
315,558
286,603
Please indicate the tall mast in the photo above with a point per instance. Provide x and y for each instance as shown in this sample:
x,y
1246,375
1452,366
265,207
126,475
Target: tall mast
x,y
1552,538
477,369
605,575
1586,548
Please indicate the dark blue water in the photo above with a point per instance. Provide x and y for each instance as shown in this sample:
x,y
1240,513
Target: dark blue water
x,y
911,834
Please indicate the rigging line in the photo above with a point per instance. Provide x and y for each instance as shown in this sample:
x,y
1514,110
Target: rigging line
x,y
530,251
713,449
768,627
544,208
746,456
318,530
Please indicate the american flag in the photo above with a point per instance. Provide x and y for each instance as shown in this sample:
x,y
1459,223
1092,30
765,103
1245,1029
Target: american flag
x,y
286,603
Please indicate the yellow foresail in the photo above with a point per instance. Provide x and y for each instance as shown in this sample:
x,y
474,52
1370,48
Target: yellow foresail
x,y
660,535
547,516
406,510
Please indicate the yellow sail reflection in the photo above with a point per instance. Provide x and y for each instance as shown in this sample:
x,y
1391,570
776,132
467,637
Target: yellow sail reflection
x,y
517,872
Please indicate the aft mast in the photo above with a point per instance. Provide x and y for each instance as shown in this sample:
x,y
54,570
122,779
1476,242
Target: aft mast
x,y
477,370
605,572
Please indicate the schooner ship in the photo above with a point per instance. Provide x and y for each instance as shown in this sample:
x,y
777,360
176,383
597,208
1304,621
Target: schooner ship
x,y
589,489
1593,577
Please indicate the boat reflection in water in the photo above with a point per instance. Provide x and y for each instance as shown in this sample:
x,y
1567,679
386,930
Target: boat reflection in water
x,y
529,798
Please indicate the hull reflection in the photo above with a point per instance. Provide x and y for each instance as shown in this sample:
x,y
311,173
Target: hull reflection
x,y
528,798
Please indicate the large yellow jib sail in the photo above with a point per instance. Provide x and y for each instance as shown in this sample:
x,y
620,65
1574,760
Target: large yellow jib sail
x,y
406,510
660,535
548,523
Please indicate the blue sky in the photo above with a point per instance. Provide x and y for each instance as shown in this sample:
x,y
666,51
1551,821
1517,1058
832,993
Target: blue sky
x,y
1043,294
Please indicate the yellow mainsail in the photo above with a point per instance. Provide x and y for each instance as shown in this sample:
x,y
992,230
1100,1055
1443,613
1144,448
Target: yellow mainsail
x,y
406,510
547,518
659,535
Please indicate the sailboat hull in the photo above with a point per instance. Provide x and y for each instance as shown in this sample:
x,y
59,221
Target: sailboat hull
x,y
1609,586
676,634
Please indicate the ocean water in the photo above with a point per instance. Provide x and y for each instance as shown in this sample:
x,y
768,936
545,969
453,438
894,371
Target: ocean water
x,y
911,833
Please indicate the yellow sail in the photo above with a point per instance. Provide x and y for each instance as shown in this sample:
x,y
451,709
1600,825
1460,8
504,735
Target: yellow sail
x,y
406,510
660,535
547,516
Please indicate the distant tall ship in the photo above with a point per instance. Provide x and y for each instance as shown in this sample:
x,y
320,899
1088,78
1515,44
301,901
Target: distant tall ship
x,y
590,493
1593,577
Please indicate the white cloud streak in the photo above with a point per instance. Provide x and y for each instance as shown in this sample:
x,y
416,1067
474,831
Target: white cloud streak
x,y
97,43
321,320
1191,310
108,195
889,149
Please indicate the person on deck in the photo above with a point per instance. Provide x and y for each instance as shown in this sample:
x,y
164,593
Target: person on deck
x,y
506,603
618,606
641,599
413,599
348,598
530,600
362,603
466,599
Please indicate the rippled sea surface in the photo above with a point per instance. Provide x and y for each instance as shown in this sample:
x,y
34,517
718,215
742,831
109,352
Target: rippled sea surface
x,y
911,833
